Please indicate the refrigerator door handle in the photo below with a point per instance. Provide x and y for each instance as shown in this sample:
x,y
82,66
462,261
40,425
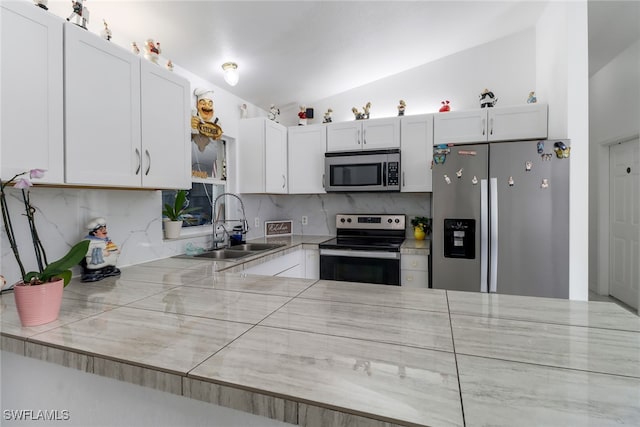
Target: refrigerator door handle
x,y
484,235
493,270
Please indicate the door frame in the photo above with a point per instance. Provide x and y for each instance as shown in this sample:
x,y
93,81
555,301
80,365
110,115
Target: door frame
x,y
602,227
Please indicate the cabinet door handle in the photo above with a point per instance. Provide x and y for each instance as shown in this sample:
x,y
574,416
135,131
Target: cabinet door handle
x,y
323,181
139,161
284,181
484,125
358,138
491,126
403,180
364,136
148,162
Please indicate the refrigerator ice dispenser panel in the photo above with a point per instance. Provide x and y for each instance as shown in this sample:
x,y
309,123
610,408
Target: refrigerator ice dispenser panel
x,y
460,238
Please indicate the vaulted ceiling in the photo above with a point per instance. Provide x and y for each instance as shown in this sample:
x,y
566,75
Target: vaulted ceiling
x,y
292,52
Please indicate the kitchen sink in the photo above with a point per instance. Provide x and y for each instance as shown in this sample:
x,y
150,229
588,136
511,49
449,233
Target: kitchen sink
x,y
224,254
255,247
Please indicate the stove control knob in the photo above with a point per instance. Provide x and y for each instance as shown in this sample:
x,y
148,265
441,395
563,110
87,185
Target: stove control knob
x,y
389,220
342,220
348,219
397,221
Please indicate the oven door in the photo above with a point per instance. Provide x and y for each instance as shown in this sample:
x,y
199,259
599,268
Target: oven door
x,y
360,266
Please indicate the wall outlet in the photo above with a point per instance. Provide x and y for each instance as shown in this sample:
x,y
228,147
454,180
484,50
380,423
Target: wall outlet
x,y
305,220
256,222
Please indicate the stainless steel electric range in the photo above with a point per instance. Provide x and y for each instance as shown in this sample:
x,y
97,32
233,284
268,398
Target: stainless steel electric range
x,y
366,249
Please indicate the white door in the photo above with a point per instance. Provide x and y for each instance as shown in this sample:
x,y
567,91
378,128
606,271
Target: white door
x,y
458,127
624,217
381,133
346,136
527,121
31,128
275,157
166,159
102,111
417,152
307,145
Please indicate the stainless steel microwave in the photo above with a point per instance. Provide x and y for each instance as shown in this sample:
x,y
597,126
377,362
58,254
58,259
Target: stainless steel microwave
x,y
375,170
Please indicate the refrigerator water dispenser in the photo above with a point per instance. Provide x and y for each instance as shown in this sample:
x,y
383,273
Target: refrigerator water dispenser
x,y
460,238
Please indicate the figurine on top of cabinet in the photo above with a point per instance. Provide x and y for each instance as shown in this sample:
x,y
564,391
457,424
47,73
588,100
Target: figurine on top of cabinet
x,y
401,107
106,32
327,116
152,50
366,109
445,107
274,113
169,65
487,99
134,48
302,116
100,261
532,98
80,12
42,4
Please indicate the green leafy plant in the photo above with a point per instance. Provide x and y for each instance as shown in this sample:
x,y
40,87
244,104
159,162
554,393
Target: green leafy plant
x,y
47,272
179,208
423,222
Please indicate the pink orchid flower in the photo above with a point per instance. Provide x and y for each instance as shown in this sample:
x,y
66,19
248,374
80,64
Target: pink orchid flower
x,y
37,173
22,183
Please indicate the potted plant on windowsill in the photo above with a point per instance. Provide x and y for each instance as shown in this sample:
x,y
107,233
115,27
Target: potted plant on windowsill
x,y
421,227
175,214
38,295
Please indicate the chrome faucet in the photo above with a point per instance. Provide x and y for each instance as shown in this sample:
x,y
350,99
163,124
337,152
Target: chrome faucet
x,y
221,224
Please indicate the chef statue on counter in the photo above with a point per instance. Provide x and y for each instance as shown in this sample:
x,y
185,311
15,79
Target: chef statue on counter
x,y
100,261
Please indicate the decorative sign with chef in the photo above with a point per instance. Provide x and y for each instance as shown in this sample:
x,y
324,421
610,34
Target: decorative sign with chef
x,y
207,150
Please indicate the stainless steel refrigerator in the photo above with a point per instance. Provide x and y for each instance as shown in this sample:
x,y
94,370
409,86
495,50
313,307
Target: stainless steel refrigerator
x,y
501,217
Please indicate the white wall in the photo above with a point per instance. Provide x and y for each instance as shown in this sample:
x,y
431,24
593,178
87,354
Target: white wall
x,y
614,116
562,80
505,66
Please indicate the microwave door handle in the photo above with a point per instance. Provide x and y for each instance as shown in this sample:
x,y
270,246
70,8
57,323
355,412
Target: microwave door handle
x,y
384,174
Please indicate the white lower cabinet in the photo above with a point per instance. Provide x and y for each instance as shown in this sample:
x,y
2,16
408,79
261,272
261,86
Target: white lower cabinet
x,y
301,264
414,271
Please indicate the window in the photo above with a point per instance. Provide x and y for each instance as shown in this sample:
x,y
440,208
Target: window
x,y
202,196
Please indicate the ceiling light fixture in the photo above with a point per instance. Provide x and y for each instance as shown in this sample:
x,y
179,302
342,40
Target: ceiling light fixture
x,y
231,74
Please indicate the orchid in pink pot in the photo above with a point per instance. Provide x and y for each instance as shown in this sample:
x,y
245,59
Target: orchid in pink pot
x,y
37,304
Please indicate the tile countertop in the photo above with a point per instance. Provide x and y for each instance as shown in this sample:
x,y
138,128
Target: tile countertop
x,y
321,353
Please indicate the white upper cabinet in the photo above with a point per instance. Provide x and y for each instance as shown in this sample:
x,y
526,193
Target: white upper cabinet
x,y
127,120
262,156
102,105
307,146
491,124
364,135
166,160
32,91
416,150
528,121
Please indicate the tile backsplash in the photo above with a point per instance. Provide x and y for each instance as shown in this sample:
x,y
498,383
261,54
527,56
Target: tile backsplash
x,y
134,220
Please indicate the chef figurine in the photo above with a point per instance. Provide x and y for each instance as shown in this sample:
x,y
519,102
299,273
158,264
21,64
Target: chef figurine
x,y
152,50
106,32
205,131
100,261
80,12
401,107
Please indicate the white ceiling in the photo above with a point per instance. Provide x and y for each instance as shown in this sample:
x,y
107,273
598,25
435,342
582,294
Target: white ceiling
x,y
292,52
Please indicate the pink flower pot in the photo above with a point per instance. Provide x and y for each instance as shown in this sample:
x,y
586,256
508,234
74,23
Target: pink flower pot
x,y
38,304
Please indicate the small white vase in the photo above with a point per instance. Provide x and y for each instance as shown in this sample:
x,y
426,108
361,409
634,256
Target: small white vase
x,y
172,229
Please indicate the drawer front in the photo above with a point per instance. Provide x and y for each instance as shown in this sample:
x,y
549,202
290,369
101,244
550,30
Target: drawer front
x,y
414,279
414,262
